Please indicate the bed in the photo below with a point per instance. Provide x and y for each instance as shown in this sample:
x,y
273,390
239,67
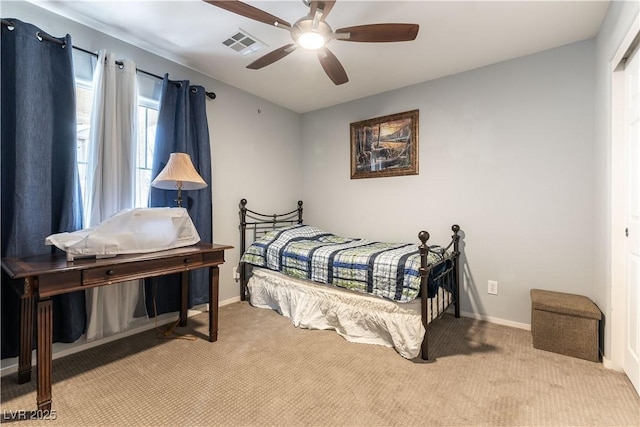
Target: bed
x,y
369,292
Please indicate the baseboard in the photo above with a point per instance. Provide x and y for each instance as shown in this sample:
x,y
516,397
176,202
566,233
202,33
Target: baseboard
x,y
609,364
10,365
227,301
496,320
606,363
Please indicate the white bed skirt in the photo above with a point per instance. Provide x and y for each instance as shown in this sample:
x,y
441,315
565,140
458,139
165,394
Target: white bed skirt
x,y
355,316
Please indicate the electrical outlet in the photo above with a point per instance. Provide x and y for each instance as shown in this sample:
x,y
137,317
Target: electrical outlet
x,y
236,275
493,287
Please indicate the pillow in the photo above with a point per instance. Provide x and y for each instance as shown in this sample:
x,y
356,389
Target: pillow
x,y
256,252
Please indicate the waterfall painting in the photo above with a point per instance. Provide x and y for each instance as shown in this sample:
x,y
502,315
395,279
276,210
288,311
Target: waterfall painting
x,y
385,146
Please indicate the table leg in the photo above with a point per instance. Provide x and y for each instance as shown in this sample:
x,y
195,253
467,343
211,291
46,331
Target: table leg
x,y
45,342
184,298
26,335
214,285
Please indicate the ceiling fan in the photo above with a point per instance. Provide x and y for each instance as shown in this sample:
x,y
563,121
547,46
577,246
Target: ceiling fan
x,y
312,32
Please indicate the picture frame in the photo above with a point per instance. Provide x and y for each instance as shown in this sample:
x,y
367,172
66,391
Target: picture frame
x,y
385,146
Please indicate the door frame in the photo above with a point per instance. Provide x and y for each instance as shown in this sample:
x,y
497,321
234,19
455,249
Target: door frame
x,y
618,175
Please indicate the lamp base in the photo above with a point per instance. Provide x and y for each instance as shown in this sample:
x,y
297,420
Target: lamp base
x,y
179,199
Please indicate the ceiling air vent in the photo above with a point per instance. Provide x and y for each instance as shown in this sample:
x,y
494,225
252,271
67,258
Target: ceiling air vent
x,y
244,43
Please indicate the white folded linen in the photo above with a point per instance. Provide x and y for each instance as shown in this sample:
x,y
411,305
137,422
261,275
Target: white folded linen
x,y
129,231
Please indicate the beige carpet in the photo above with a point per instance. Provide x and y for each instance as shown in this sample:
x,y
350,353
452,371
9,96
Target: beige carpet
x,y
263,371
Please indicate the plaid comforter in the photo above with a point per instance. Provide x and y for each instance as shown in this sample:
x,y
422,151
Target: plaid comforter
x,y
388,270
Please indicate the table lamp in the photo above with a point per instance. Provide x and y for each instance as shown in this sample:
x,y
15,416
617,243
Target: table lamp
x,y
179,174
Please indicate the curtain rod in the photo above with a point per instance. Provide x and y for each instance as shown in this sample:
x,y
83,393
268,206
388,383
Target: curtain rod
x,y
45,36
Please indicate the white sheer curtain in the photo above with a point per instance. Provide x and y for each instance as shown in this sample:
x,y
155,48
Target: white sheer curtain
x,y
110,186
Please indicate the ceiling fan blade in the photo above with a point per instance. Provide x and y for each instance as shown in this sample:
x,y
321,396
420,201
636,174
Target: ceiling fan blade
x,y
332,66
325,6
272,57
250,12
379,33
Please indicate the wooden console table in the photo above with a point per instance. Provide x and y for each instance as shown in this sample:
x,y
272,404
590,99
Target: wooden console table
x,y
47,275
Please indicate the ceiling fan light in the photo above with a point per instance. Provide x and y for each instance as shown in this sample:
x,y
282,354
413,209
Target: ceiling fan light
x,y
311,40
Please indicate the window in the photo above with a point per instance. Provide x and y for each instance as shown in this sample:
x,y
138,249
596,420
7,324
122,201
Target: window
x,y
147,122
84,95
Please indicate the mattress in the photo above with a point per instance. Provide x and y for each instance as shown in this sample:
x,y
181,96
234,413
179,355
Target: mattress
x,y
389,270
355,316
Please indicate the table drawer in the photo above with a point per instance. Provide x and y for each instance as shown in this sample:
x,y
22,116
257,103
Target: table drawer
x,y
139,269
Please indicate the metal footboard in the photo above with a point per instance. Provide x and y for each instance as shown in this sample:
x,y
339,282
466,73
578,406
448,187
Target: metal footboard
x,y
434,308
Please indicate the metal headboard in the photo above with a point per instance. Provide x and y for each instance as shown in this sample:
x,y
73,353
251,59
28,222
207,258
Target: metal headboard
x,y
259,224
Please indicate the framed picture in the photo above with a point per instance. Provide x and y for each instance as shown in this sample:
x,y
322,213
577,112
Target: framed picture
x,y
385,146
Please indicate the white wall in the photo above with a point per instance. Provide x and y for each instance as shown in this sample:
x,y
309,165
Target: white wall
x,y
506,151
250,137
619,17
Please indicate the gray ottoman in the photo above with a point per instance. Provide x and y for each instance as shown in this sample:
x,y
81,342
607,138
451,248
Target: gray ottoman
x,y
565,323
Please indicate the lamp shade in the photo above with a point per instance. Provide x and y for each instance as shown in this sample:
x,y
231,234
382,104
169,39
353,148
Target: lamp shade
x,y
179,173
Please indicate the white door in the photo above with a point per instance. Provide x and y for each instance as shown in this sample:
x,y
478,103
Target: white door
x,y
632,137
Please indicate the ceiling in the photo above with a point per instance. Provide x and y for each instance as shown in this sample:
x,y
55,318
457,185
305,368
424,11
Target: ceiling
x,y
454,36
